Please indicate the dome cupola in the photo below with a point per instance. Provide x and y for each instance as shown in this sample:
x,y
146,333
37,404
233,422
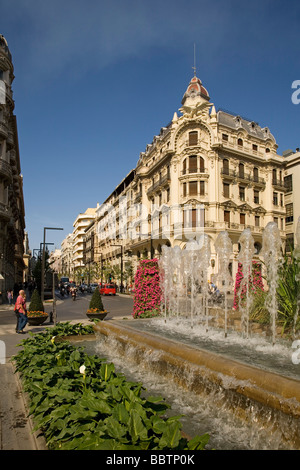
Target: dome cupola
x,y
195,90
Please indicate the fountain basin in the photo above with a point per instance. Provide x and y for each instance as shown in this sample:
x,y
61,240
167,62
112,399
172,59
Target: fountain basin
x,y
244,386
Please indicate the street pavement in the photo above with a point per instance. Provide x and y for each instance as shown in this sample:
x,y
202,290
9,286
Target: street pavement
x,y
15,425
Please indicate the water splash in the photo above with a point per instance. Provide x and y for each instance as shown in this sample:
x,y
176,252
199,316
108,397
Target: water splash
x,y
297,279
272,253
223,246
245,258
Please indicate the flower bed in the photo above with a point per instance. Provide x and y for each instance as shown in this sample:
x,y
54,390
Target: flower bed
x,y
37,313
147,291
36,317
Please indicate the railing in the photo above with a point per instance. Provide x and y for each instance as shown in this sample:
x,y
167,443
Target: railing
x,y
279,183
5,211
162,180
190,171
5,169
242,176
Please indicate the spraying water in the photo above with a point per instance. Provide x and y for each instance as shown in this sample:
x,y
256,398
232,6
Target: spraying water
x,y
245,258
271,251
297,257
223,247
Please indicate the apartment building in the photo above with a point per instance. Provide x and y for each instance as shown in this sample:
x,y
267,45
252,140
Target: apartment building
x,y
67,255
82,221
12,212
292,197
207,171
55,259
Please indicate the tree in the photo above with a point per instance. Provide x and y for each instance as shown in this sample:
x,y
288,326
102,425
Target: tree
x,y
128,273
96,301
37,271
36,304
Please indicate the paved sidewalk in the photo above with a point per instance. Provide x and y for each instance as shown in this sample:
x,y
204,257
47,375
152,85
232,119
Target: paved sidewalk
x,y
16,428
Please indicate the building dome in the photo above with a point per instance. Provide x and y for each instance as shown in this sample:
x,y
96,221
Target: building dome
x,y
195,89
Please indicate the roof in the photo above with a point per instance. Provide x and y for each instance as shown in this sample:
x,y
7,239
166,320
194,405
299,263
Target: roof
x,y
234,121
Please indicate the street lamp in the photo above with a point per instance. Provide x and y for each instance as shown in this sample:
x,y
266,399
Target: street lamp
x,y
43,260
121,246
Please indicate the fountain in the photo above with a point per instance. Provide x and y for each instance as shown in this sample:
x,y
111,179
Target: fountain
x,y
223,247
271,250
245,258
297,257
258,380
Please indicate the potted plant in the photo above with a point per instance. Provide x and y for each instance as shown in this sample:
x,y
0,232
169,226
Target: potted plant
x,y
35,313
96,309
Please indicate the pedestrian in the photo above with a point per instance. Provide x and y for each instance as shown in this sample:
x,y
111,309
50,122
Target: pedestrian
x,y
10,296
21,312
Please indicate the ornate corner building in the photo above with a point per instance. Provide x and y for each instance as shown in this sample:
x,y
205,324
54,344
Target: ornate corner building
x,y
206,171
12,212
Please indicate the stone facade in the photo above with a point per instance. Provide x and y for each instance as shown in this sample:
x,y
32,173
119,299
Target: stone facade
x,y
12,212
206,171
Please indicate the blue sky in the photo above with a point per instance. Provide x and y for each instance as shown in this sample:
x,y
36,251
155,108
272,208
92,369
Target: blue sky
x,y
96,80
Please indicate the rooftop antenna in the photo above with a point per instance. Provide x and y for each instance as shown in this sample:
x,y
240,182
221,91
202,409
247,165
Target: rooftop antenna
x,y
194,68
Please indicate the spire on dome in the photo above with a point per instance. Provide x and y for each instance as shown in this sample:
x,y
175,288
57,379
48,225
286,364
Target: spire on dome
x,y
195,90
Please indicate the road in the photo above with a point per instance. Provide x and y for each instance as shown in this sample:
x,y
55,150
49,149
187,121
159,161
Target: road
x,y
68,310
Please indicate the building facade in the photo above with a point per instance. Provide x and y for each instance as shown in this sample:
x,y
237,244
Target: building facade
x,y
82,221
292,198
12,212
207,171
67,255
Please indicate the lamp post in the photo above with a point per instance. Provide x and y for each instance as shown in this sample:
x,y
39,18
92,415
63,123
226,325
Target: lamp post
x,y
43,260
121,246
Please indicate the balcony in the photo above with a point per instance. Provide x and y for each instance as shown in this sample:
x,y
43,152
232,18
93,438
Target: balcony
x,y
5,211
3,129
279,184
227,173
5,170
163,181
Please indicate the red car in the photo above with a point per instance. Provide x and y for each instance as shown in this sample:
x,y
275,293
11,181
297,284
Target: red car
x,y
108,289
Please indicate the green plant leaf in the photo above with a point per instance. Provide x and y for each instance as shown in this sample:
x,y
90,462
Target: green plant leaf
x,y
171,436
136,427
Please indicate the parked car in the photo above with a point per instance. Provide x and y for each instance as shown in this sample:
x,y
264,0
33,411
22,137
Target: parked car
x,y
108,289
83,287
92,287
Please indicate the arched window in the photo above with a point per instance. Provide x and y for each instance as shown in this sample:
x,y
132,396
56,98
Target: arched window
x,y
240,142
